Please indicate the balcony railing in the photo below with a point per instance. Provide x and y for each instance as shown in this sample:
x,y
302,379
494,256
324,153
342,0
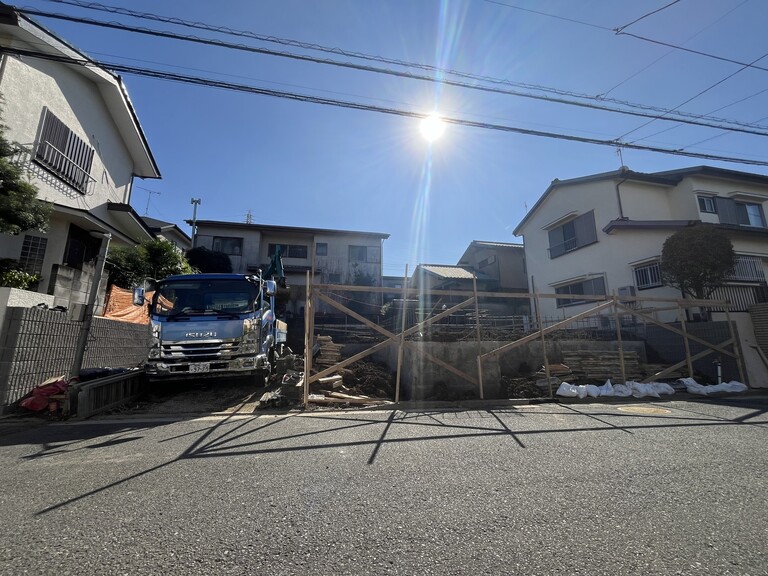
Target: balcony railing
x,y
64,167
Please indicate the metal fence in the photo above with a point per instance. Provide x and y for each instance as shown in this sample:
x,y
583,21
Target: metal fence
x,y
38,344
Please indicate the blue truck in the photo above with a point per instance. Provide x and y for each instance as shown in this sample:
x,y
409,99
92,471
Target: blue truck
x,y
213,325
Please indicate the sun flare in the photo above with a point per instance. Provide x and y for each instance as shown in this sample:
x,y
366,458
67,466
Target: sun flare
x,y
432,127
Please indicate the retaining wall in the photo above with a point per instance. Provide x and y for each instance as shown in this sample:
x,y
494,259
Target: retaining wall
x,y
37,344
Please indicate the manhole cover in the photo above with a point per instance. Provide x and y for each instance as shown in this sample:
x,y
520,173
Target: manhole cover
x,y
644,410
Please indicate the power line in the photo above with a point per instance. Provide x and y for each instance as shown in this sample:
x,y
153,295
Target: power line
x,y
548,15
707,27
211,83
679,116
670,128
620,28
697,52
697,95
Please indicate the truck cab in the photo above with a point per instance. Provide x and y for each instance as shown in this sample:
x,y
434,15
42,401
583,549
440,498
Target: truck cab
x,y
212,325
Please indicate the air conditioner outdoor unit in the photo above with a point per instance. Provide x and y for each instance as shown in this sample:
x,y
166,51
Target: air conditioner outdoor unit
x,y
626,291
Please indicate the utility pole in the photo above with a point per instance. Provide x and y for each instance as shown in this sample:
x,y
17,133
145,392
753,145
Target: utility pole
x,y
249,218
85,327
195,204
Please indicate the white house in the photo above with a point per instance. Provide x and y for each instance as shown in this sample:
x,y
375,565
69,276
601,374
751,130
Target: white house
x,y
338,256
603,234
81,144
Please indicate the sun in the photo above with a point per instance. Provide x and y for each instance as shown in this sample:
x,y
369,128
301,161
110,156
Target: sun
x,y
432,127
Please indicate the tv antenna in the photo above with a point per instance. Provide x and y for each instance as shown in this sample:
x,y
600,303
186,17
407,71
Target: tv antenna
x,y
149,195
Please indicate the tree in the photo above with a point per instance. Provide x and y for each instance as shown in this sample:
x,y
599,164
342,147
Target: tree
x,y
697,260
155,259
20,208
209,261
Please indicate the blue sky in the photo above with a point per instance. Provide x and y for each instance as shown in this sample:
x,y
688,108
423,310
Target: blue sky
x,y
303,164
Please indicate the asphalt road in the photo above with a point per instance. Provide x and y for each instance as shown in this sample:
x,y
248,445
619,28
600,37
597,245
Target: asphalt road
x,y
648,488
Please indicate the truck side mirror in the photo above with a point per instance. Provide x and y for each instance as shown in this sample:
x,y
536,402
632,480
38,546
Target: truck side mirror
x,y
270,287
138,296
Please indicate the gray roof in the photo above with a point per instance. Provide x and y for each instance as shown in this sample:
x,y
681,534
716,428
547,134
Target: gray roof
x,y
667,178
276,228
447,271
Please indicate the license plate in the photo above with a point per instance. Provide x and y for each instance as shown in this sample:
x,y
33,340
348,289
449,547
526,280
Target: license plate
x,y
199,367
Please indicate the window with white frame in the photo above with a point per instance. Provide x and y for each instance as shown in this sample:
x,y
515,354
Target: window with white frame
x,y
707,205
572,235
647,275
369,254
63,153
590,287
230,245
289,250
747,269
33,254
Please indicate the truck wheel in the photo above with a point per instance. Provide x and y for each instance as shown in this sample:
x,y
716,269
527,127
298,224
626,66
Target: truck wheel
x,y
261,379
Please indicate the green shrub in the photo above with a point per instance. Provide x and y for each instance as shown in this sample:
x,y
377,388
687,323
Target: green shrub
x,y
18,279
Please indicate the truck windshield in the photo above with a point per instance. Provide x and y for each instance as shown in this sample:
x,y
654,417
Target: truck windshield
x,y
186,297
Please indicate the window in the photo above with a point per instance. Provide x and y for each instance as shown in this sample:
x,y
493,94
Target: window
x,y
229,245
573,235
81,247
369,254
32,254
747,269
750,214
591,287
487,261
648,276
289,250
321,249
64,153
740,213
707,205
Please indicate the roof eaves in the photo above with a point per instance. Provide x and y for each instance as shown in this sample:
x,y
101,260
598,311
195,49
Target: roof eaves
x,y
622,174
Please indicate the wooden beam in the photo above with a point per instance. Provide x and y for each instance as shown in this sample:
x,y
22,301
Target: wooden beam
x,y
718,347
557,326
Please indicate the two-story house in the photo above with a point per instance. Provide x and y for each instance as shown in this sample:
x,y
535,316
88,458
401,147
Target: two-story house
x,y
80,143
169,232
603,234
338,256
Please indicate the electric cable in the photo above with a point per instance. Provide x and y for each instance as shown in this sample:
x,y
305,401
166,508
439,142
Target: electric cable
x,y
635,21
671,51
317,47
693,97
679,116
366,107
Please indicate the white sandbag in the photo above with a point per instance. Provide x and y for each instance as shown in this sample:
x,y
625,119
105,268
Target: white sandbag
x,y
694,387
734,386
640,390
622,390
567,390
581,390
662,388
606,389
592,390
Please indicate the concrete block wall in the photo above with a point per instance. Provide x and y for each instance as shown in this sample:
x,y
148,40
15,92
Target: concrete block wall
x,y
668,347
37,344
